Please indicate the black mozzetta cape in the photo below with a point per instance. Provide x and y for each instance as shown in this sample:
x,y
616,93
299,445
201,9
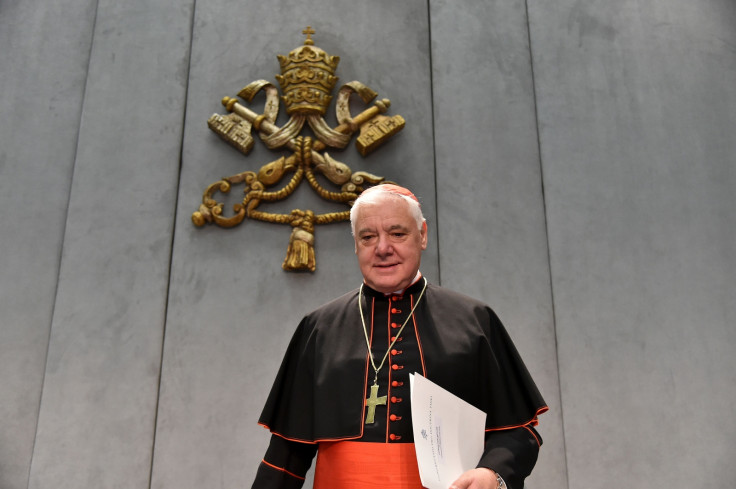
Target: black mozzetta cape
x,y
457,342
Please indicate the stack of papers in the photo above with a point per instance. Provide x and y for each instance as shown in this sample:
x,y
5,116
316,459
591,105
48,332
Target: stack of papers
x,y
448,433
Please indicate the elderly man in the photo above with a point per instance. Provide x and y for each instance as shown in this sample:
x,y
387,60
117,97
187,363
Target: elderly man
x,y
343,388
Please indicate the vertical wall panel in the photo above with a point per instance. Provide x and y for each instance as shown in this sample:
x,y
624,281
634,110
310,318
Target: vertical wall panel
x,y
493,239
636,105
233,309
635,101
43,65
98,405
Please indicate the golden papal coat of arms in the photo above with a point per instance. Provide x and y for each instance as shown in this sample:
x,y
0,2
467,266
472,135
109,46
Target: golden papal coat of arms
x,y
307,80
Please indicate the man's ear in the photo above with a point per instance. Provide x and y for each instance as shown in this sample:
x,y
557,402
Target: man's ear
x,y
423,232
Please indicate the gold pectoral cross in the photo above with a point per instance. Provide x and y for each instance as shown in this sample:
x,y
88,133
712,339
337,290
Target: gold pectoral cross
x,y
372,401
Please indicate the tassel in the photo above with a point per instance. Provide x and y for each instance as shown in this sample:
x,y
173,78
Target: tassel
x,y
300,253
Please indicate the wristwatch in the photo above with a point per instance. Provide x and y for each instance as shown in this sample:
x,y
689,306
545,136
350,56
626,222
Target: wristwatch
x,y
499,480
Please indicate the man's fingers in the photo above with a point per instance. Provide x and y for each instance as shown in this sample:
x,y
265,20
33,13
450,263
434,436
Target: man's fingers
x,y
479,478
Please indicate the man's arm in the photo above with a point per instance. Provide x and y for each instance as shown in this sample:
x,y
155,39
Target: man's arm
x,y
285,464
508,453
512,453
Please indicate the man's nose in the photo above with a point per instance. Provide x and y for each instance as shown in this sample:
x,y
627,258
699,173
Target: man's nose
x,y
383,247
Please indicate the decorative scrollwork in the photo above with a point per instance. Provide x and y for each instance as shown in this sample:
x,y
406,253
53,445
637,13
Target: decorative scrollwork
x,y
306,79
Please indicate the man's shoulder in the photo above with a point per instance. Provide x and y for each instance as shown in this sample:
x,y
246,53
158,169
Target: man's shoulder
x,y
443,295
455,307
338,304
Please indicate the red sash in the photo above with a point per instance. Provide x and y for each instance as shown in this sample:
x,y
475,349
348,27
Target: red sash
x,y
363,465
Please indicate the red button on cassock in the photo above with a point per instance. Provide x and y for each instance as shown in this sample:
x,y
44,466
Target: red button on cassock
x,y
394,325
396,367
396,383
393,417
394,437
395,400
396,352
395,311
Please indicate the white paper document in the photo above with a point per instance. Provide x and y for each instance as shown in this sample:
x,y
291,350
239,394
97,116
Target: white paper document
x,y
448,433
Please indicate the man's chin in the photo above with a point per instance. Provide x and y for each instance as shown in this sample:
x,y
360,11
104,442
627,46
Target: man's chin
x,y
385,282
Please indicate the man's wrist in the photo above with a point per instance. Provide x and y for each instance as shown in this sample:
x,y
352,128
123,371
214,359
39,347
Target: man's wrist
x,y
500,483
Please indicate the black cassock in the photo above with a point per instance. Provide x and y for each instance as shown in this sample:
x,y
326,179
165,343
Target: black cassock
x,y
457,342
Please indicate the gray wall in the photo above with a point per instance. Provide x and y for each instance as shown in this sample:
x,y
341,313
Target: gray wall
x,y
575,161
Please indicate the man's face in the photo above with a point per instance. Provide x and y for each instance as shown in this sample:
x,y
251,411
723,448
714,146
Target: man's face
x,y
388,244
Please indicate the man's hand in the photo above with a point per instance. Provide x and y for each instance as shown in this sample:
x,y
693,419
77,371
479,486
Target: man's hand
x,y
480,478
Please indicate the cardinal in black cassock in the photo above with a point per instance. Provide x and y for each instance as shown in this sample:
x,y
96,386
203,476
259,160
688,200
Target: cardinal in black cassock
x,y
342,391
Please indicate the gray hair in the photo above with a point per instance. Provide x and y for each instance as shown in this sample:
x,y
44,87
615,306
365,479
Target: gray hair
x,y
378,194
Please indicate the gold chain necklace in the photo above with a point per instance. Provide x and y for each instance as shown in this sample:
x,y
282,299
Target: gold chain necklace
x,y
373,400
